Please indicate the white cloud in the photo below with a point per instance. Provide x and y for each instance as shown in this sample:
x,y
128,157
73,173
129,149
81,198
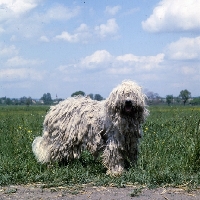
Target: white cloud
x,y
84,33
44,38
184,49
1,30
122,70
19,61
97,58
171,15
110,28
30,24
23,26
102,60
15,8
20,74
131,11
82,28
189,70
7,51
142,62
59,12
68,37
81,34
112,10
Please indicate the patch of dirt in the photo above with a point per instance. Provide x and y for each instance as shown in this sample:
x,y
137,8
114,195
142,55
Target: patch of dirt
x,y
84,192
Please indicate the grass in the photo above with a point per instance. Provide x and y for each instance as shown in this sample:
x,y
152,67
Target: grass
x,y
169,151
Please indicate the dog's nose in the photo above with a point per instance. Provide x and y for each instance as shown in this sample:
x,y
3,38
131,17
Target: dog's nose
x,y
128,106
128,102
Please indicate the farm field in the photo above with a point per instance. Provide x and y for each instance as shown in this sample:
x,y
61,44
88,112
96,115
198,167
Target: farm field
x,y
169,151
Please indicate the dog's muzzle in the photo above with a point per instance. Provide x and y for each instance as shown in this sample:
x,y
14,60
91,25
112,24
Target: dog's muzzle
x,y
128,106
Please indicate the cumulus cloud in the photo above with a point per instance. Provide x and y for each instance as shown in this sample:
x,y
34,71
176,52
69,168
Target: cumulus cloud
x,y
81,34
68,37
82,28
131,11
16,17
7,51
20,61
1,30
102,60
170,15
103,67
184,49
112,10
20,74
84,33
59,12
15,8
142,62
189,70
44,38
110,28
97,58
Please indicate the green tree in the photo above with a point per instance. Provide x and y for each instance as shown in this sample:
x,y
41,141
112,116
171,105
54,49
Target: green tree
x,y
78,93
184,95
169,99
47,98
98,97
15,101
28,101
3,100
8,101
177,99
195,101
23,100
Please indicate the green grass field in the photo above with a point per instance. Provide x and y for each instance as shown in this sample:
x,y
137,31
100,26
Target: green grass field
x,y
169,151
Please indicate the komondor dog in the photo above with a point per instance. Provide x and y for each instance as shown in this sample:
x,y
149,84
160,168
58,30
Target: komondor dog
x,y
112,126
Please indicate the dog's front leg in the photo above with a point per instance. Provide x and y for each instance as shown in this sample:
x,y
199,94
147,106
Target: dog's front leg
x,y
112,155
134,142
133,151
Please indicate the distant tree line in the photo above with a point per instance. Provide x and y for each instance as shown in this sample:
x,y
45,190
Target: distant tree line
x,y
14,101
46,99
97,97
152,99
183,98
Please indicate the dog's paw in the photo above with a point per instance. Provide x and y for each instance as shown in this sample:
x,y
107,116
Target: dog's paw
x,y
115,172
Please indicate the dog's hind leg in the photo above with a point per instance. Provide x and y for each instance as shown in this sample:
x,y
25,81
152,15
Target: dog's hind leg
x,y
41,149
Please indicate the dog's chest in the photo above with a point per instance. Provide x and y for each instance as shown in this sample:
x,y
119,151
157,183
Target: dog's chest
x,y
128,125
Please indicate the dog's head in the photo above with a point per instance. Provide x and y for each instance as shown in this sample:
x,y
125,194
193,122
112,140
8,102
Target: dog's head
x,y
128,100
130,109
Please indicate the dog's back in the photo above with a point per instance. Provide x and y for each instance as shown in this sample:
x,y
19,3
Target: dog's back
x,y
71,126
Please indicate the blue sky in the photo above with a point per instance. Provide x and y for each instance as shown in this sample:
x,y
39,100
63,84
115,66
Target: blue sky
x,y
65,46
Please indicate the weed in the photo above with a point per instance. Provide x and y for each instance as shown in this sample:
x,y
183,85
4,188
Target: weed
x,y
136,192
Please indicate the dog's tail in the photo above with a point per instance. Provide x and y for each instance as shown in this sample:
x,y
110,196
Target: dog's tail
x,y
41,150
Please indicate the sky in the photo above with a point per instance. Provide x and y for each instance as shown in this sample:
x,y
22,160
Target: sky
x,y
63,46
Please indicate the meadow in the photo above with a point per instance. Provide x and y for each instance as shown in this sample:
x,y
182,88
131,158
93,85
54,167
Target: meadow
x,y
169,151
